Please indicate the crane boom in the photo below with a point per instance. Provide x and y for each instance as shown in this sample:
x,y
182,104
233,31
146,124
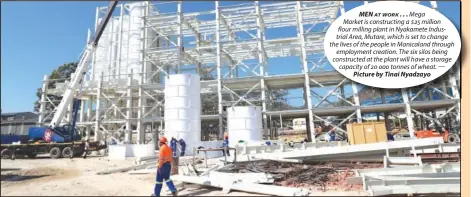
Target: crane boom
x,y
78,75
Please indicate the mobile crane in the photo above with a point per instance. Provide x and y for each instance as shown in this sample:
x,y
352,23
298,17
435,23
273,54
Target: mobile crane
x,y
56,139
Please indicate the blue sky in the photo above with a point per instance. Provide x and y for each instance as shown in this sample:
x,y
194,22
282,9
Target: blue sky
x,y
37,37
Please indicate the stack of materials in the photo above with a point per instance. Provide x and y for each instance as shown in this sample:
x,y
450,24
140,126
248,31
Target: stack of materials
x,y
367,132
123,151
247,182
427,179
374,151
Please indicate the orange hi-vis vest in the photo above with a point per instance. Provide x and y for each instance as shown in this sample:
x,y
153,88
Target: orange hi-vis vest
x,y
165,155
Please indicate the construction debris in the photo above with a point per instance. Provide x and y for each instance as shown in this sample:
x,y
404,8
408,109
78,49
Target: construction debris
x,y
319,176
245,177
325,175
239,185
299,171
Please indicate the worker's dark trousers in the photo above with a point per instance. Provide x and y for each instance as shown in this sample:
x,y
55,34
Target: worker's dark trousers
x,y
85,152
225,152
164,174
182,153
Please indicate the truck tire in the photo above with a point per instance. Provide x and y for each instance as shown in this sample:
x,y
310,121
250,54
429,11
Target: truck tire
x,y
6,153
453,138
67,152
55,153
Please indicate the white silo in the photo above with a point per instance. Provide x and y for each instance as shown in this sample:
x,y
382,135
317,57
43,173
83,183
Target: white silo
x,y
135,29
101,55
114,35
244,123
106,53
124,48
183,109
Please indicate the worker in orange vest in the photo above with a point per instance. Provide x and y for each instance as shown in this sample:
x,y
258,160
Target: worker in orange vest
x,y
164,167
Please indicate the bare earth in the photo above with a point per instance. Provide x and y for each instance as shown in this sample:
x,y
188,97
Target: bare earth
x,y
77,177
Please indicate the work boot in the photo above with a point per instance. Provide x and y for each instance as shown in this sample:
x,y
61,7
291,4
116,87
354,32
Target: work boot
x,y
174,193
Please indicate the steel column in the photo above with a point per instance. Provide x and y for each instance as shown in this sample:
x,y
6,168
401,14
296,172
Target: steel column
x,y
141,100
455,93
98,108
92,73
82,110
129,109
410,122
307,86
180,37
219,65
356,99
70,111
89,108
43,103
110,49
262,63
120,40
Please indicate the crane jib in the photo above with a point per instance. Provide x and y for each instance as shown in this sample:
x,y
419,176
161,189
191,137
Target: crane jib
x,y
79,74
102,25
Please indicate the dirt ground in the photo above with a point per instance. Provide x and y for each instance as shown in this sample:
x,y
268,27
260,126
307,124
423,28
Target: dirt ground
x,y
77,177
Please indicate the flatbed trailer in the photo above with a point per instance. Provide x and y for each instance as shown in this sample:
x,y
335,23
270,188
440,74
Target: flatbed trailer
x,y
55,150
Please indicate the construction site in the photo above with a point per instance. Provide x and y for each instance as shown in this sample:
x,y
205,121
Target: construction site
x,y
251,73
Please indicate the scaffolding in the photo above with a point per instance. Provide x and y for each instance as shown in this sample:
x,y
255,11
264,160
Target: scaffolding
x,y
230,50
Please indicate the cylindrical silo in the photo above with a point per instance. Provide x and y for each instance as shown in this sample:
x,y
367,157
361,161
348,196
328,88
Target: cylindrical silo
x,y
244,123
101,55
114,47
134,44
183,109
124,48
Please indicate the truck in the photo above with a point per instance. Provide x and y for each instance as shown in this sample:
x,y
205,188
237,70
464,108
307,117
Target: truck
x,y
58,139
58,142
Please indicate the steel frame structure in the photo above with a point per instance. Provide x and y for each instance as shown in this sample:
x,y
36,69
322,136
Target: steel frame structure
x,y
219,49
